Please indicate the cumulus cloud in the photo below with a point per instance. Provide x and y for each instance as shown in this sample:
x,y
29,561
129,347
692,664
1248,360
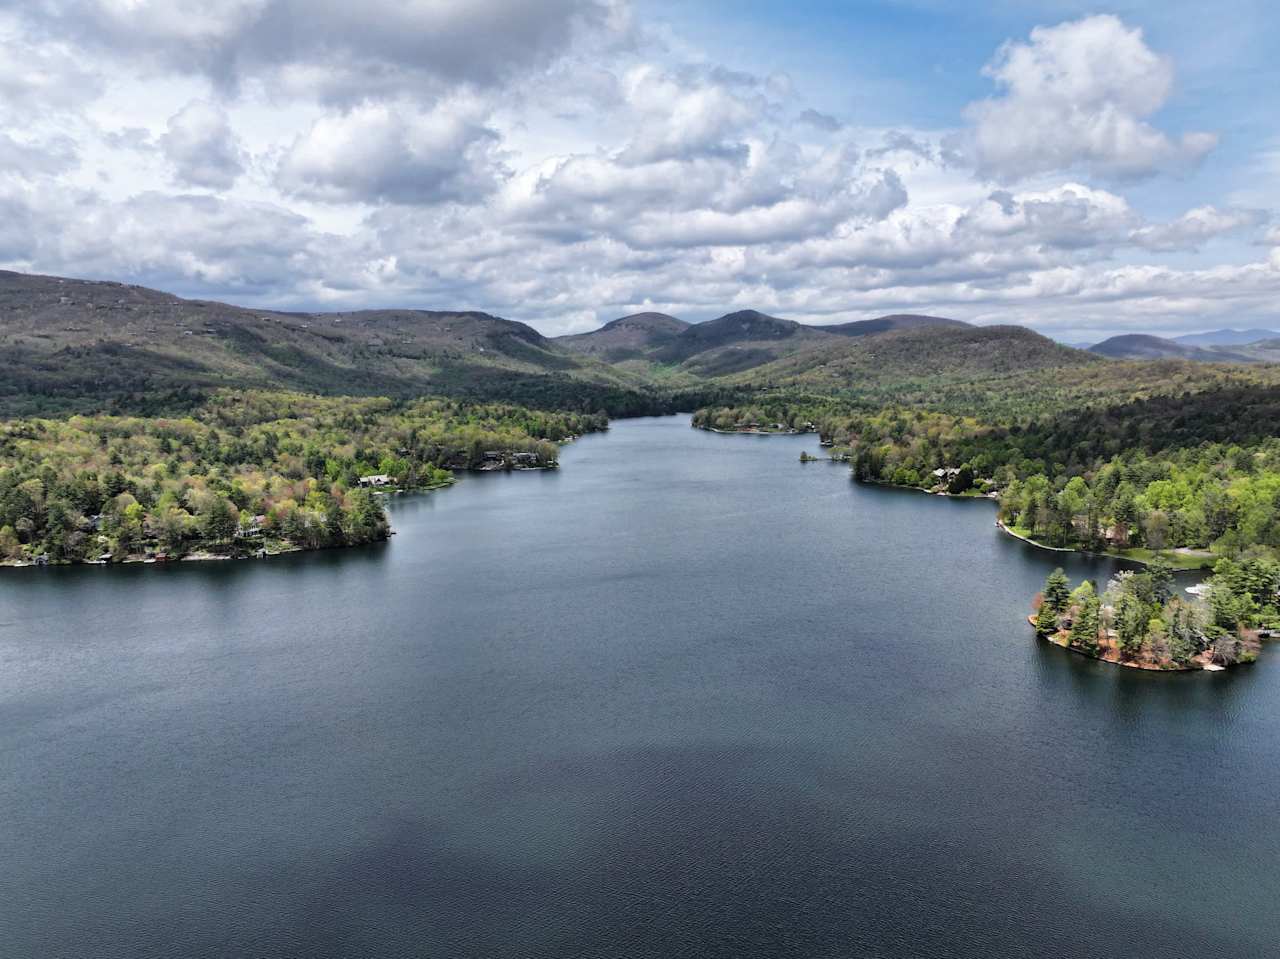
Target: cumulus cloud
x,y
492,154
766,191
1071,216
36,158
40,75
193,244
1196,227
381,153
786,220
681,117
202,147
345,51
1079,95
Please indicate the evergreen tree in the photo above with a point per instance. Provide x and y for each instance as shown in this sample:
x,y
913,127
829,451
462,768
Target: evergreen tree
x,y
1084,628
1046,620
1131,623
1057,591
1161,582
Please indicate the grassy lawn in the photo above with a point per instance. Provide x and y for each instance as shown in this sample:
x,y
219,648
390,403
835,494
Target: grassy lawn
x,y
1203,560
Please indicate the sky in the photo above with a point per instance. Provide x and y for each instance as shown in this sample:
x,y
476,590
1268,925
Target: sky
x,y
1084,171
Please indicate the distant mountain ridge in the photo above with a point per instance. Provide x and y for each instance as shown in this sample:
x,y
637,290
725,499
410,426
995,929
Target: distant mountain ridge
x,y
895,321
70,344
1226,337
730,343
1141,346
1133,346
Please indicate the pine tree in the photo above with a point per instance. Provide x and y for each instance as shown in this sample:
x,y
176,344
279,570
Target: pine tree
x,y
1046,620
1084,628
1161,582
1056,591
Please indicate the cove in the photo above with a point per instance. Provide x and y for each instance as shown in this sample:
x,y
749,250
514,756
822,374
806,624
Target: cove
x,y
683,697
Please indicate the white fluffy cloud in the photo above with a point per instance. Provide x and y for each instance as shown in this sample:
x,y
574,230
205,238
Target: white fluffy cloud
x,y
202,147
680,118
1196,227
387,153
560,164
1071,216
1078,95
33,158
39,75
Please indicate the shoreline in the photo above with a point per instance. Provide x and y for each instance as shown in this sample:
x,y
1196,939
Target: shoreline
x,y
1197,664
205,555
1203,562
1207,564
920,489
756,432
195,556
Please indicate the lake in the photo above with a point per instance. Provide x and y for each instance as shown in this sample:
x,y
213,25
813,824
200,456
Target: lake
x,y
685,696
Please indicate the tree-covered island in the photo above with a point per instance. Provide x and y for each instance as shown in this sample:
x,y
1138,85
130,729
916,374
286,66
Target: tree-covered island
x,y
248,473
1141,620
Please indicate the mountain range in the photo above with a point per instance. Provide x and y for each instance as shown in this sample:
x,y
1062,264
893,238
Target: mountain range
x,y
1199,347
729,344
1226,337
69,344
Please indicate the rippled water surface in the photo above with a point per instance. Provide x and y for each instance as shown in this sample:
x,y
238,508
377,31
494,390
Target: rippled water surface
x,y
684,697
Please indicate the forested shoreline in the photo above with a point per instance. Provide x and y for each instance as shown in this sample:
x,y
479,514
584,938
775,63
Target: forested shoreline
x,y
1188,477
247,474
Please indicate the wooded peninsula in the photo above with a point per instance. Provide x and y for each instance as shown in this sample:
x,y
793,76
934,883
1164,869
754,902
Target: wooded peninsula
x,y
247,473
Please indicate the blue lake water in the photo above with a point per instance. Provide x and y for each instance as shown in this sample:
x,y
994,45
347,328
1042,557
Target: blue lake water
x,y
684,697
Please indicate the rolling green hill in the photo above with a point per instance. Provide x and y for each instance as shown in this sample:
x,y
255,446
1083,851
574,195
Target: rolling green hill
x,y
627,338
67,344
924,352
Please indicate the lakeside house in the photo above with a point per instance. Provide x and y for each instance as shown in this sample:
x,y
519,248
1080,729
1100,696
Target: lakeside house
x,y
1117,535
377,480
503,459
254,528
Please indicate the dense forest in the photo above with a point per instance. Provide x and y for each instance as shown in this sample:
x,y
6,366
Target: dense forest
x,y
1140,619
248,472
1193,471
